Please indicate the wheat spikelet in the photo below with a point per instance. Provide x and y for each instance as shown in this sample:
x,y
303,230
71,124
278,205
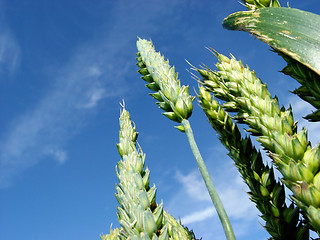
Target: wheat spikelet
x,y
254,4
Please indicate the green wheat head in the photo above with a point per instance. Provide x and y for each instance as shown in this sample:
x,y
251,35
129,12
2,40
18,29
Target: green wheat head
x,y
243,94
282,222
173,98
275,127
139,215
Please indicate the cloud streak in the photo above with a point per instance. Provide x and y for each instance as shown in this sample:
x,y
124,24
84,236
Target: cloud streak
x,y
45,129
95,72
9,52
193,204
231,194
199,216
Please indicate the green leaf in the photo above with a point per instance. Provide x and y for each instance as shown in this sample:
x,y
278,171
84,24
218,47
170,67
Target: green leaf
x,y
295,36
290,31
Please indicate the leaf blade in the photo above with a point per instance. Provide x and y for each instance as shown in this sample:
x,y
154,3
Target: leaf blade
x,y
291,31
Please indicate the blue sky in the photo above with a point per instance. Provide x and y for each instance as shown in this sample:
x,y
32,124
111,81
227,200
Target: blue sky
x,y
64,68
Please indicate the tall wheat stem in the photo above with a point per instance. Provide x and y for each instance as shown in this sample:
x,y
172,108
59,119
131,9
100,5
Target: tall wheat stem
x,y
209,183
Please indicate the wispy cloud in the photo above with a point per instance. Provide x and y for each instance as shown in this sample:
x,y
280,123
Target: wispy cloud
x,y
9,52
231,193
193,204
58,154
193,185
94,97
198,216
96,71
43,131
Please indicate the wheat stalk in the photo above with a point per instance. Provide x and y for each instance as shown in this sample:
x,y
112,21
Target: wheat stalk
x,y
177,104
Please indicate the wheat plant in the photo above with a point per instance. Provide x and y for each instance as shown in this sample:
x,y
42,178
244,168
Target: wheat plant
x,y
275,127
139,214
232,94
282,221
177,104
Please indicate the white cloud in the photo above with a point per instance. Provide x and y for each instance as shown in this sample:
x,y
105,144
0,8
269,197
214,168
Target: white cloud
x,y
96,71
193,185
193,204
93,97
9,52
45,129
199,215
230,188
58,154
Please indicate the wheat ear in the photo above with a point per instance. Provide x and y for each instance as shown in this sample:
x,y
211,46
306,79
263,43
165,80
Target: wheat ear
x,y
290,150
139,215
282,222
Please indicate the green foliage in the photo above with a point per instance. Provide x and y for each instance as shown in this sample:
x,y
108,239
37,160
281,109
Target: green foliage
x,y
309,90
294,34
234,88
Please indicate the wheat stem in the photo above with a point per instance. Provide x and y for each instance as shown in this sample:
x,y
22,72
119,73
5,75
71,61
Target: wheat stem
x,y
209,183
